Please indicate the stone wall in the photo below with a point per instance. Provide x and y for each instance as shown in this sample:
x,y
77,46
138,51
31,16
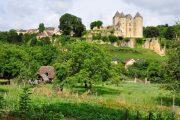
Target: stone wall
x,y
131,43
153,44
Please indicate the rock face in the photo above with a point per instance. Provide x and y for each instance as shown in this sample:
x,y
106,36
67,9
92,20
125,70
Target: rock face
x,y
131,43
153,44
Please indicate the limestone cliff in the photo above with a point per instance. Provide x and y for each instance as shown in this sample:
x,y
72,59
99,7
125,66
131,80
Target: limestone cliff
x,y
153,44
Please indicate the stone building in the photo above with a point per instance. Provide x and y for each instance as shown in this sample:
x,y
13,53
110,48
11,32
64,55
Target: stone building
x,y
128,26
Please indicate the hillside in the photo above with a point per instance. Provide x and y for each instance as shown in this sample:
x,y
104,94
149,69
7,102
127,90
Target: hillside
x,y
124,53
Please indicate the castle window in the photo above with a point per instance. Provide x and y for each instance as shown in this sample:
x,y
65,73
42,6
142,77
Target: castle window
x,y
129,29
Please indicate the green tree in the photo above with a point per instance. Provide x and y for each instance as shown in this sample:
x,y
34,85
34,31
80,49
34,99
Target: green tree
x,y
170,33
155,72
113,38
173,65
138,69
12,60
83,63
13,37
71,24
41,27
3,36
162,30
150,32
97,24
177,30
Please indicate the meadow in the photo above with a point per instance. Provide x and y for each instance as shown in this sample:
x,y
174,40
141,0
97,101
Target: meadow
x,y
106,102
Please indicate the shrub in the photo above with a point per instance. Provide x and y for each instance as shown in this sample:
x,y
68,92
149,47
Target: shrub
x,y
113,38
2,105
105,38
126,39
97,36
24,103
140,41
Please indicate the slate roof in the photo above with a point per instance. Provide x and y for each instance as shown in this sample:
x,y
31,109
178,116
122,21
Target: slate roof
x,y
128,16
138,15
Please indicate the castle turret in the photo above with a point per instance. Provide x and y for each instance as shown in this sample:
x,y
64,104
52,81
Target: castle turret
x,y
129,26
119,23
138,25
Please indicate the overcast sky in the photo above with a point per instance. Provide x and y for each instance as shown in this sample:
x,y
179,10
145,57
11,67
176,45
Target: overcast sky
x,y
25,14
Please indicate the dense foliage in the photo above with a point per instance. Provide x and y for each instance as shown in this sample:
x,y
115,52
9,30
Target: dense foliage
x,y
150,32
83,63
97,24
22,61
163,31
41,27
173,65
71,25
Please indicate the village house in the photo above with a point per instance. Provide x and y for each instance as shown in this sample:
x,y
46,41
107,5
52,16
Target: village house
x,y
129,62
48,32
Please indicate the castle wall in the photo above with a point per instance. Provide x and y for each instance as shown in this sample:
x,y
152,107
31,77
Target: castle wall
x,y
129,27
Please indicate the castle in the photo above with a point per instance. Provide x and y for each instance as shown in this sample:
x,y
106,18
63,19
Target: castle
x,y
127,26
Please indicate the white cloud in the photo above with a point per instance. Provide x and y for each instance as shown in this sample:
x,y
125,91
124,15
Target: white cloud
x,y
154,13
29,13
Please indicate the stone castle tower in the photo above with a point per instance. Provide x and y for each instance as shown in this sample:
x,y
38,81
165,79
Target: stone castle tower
x,y
127,26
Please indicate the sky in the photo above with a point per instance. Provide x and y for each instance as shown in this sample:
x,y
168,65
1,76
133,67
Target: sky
x,y
26,14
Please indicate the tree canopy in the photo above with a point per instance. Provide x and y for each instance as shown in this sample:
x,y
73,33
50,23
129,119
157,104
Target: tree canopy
x,y
97,24
71,25
170,33
83,63
150,32
41,27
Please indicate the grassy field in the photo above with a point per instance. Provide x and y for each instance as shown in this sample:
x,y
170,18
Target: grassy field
x,y
131,96
124,53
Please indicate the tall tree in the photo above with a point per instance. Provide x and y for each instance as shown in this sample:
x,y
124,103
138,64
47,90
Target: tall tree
x,y
170,33
13,37
97,24
41,27
150,32
71,25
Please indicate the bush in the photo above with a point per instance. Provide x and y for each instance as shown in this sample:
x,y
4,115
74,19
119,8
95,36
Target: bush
x,y
140,41
24,104
113,38
2,106
97,36
105,38
138,69
126,39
